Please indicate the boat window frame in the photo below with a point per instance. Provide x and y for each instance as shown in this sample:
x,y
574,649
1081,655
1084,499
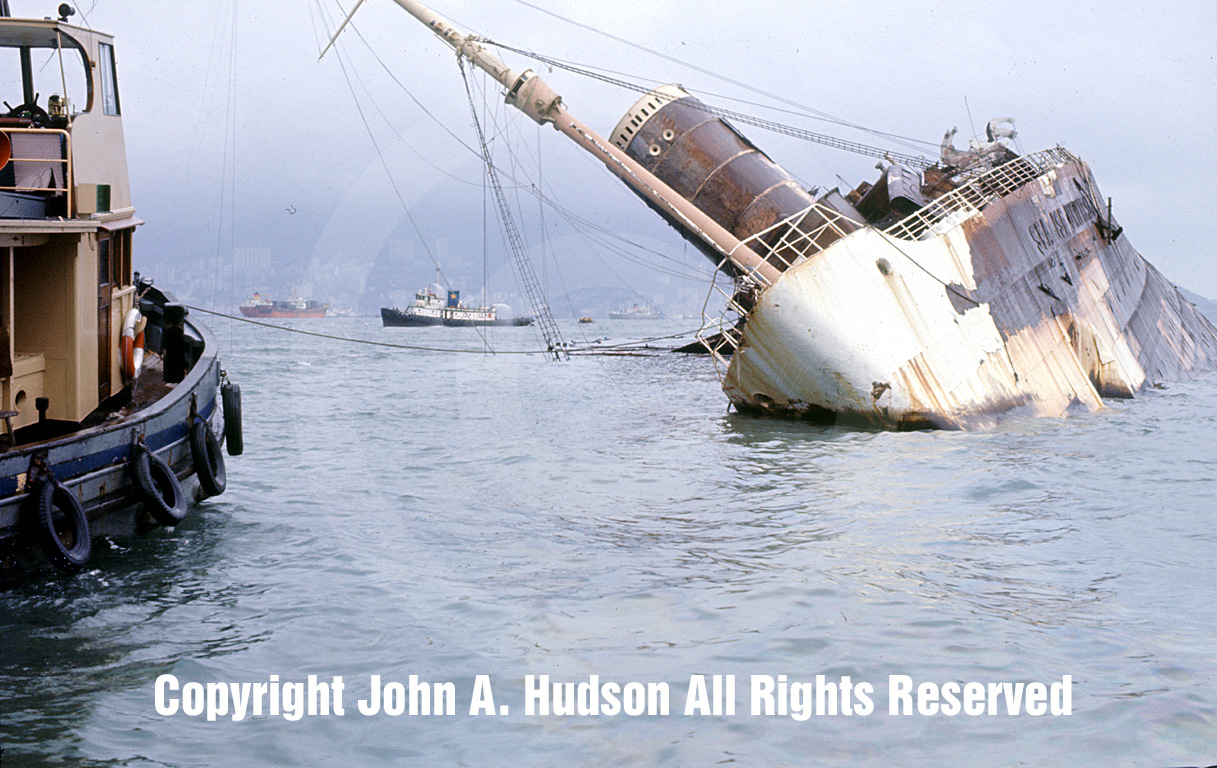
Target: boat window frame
x,y
107,71
38,37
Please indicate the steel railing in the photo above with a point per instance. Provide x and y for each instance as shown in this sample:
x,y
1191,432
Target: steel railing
x,y
63,158
962,202
789,241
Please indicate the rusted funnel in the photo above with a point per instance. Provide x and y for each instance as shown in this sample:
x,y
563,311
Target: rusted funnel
x,y
713,166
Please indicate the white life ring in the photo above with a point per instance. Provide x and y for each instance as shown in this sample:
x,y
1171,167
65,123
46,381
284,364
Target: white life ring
x,y
133,344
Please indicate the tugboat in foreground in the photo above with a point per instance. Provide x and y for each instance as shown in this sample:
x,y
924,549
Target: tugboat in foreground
x,y
110,394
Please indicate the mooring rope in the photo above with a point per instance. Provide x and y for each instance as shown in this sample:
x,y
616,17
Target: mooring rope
x,y
571,348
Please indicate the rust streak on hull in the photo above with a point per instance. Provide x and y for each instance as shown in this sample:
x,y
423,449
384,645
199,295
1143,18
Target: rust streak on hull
x,y
1023,307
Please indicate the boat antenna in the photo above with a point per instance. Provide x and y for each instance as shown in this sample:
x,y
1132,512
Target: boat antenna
x,y
971,122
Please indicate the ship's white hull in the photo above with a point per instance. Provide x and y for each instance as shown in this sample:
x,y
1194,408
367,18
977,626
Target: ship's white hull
x,y
1025,306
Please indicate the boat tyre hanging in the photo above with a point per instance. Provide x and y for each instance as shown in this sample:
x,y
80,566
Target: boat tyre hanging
x,y
63,529
233,435
133,344
158,487
208,459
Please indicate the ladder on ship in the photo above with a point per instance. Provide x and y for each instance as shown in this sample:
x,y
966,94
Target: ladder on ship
x,y
554,344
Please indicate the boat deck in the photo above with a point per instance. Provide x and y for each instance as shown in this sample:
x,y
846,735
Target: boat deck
x,y
150,388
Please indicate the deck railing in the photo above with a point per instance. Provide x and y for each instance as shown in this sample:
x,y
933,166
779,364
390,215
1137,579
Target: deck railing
x,y
29,164
963,201
792,240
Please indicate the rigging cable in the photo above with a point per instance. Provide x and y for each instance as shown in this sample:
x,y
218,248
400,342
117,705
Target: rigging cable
x,y
390,345
228,172
768,125
359,341
811,112
572,219
545,319
232,180
392,181
568,215
588,241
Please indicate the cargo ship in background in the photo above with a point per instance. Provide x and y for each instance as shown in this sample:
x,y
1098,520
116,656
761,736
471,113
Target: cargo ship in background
x,y
945,294
113,402
293,307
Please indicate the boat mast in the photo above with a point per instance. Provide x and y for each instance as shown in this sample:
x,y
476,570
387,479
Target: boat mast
x,y
533,96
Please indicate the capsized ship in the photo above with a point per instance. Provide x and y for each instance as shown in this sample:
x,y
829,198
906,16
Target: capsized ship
x,y
293,307
114,404
941,295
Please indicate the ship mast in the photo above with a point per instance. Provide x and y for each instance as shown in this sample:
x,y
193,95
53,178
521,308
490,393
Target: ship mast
x,y
534,97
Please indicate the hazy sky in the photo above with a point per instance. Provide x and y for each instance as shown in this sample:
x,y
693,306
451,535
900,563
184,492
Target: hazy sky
x,y
1131,88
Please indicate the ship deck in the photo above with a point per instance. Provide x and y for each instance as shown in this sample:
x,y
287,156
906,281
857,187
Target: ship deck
x,y
150,388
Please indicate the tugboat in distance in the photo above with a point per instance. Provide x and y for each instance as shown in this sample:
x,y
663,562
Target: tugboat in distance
x,y
435,306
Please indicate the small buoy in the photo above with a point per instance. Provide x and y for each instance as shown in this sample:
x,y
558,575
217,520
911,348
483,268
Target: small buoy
x,y
62,526
158,487
231,396
133,344
208,460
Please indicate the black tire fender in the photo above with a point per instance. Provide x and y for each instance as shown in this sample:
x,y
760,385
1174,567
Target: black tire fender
x,y
158,487
208,459
234,435
63,528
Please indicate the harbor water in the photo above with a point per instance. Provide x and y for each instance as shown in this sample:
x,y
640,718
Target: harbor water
x,y
476,517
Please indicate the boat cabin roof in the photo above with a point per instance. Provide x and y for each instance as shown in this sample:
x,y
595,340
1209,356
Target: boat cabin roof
x,y
85,54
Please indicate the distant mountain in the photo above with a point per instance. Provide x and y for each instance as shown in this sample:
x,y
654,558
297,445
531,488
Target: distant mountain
x,y
1207,306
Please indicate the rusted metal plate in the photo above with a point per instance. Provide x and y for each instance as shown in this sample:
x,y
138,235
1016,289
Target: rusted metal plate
x,y
712,165
1023,307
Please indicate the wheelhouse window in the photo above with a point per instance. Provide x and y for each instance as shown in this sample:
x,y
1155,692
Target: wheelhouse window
x,y
43,74
109,79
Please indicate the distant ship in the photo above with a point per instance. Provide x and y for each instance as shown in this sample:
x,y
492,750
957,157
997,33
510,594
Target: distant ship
x,y
293,307
437,307
637,312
